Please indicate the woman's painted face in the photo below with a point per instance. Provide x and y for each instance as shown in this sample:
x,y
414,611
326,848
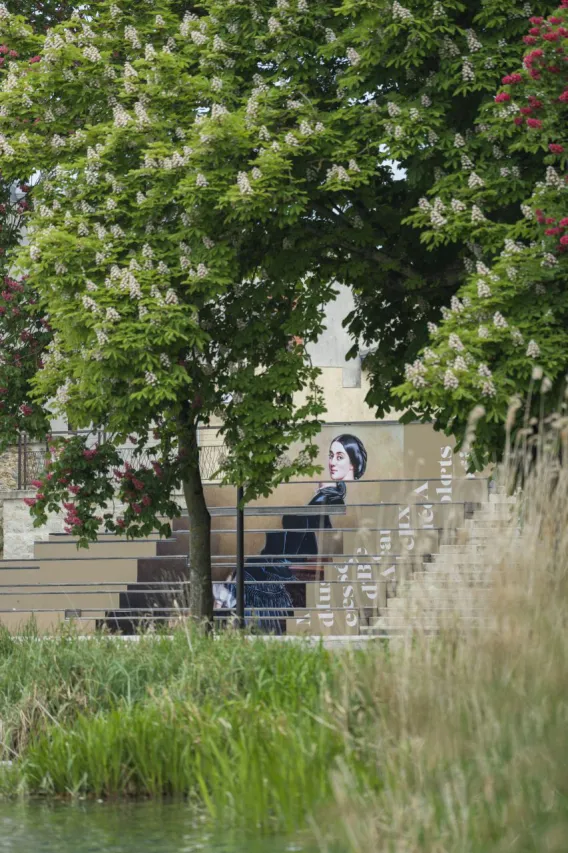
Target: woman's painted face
x,y
340,466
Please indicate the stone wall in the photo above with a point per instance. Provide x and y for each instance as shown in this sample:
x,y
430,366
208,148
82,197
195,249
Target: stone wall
x,y
19,532
9,469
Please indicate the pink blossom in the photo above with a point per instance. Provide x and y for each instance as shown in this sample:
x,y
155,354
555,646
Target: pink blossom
x,y
534,123
551,36
90,454
556,149
529,39
37,484
30,501
137,508
35,59
138,484
74,489
512,79
502,97
564,240
564,97
147,500
564,222
553,232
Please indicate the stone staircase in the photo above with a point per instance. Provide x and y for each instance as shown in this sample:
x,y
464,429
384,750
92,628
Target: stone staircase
x,y
453,587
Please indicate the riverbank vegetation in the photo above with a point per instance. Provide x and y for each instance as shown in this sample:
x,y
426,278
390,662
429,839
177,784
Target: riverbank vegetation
x,y
453,743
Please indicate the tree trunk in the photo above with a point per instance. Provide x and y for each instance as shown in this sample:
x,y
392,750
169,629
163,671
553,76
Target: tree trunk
x,y
200,580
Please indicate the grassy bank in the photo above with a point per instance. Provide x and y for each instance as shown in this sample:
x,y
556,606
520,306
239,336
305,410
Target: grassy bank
x,y
458,743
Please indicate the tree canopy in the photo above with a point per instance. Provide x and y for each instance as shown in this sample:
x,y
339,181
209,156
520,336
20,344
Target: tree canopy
x,y
511,313
200,177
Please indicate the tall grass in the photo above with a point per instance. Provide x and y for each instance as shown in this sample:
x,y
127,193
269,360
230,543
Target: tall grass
x,y
450,744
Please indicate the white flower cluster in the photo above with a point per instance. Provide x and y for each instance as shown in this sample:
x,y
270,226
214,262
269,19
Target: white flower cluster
x,y
337,173
483,370
102,337
499,321
483,332
472,41
475,181
62,393
454,342
393,109
171,297
218,111
414,114
131,35
517,338
488,388
456,305
92,54
426,101
352,55
188,19
112,315
291,104
468,71
202,271
83,229
432,137
150,378
436,217
89,304
290,139
438,10
430,355
4,13
201,180
165,360
553,179
459,141
57,141
330,36
198,38
149,53
121,117
533,349
216,84
208,242
141,115
449,48
244,183
60,268
303,6
477,214
549,260
527,211
457,205
274,25
460,364
415,373
483,289
432,328
218,43
451,381
400,13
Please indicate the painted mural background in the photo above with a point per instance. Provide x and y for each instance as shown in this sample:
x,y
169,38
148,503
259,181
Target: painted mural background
x,y
326,549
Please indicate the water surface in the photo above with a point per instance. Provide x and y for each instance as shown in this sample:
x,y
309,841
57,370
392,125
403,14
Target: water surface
x,y
119,828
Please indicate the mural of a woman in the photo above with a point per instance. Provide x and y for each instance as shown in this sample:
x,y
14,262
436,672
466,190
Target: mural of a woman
x,y
266,575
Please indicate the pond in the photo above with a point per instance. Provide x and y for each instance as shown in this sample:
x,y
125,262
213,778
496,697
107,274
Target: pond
x,y
119,828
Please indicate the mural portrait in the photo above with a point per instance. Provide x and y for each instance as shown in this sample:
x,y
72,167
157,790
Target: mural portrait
x,y
268,575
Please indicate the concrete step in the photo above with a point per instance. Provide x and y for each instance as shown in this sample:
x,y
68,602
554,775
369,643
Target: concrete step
x,y
96,550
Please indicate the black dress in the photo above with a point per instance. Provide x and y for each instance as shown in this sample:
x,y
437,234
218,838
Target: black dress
x,y
266,575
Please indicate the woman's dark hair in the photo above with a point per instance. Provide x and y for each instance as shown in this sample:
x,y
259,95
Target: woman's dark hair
x,y
355,449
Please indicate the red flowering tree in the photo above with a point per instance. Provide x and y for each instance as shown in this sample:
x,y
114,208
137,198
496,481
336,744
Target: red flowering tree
x,y
512,313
